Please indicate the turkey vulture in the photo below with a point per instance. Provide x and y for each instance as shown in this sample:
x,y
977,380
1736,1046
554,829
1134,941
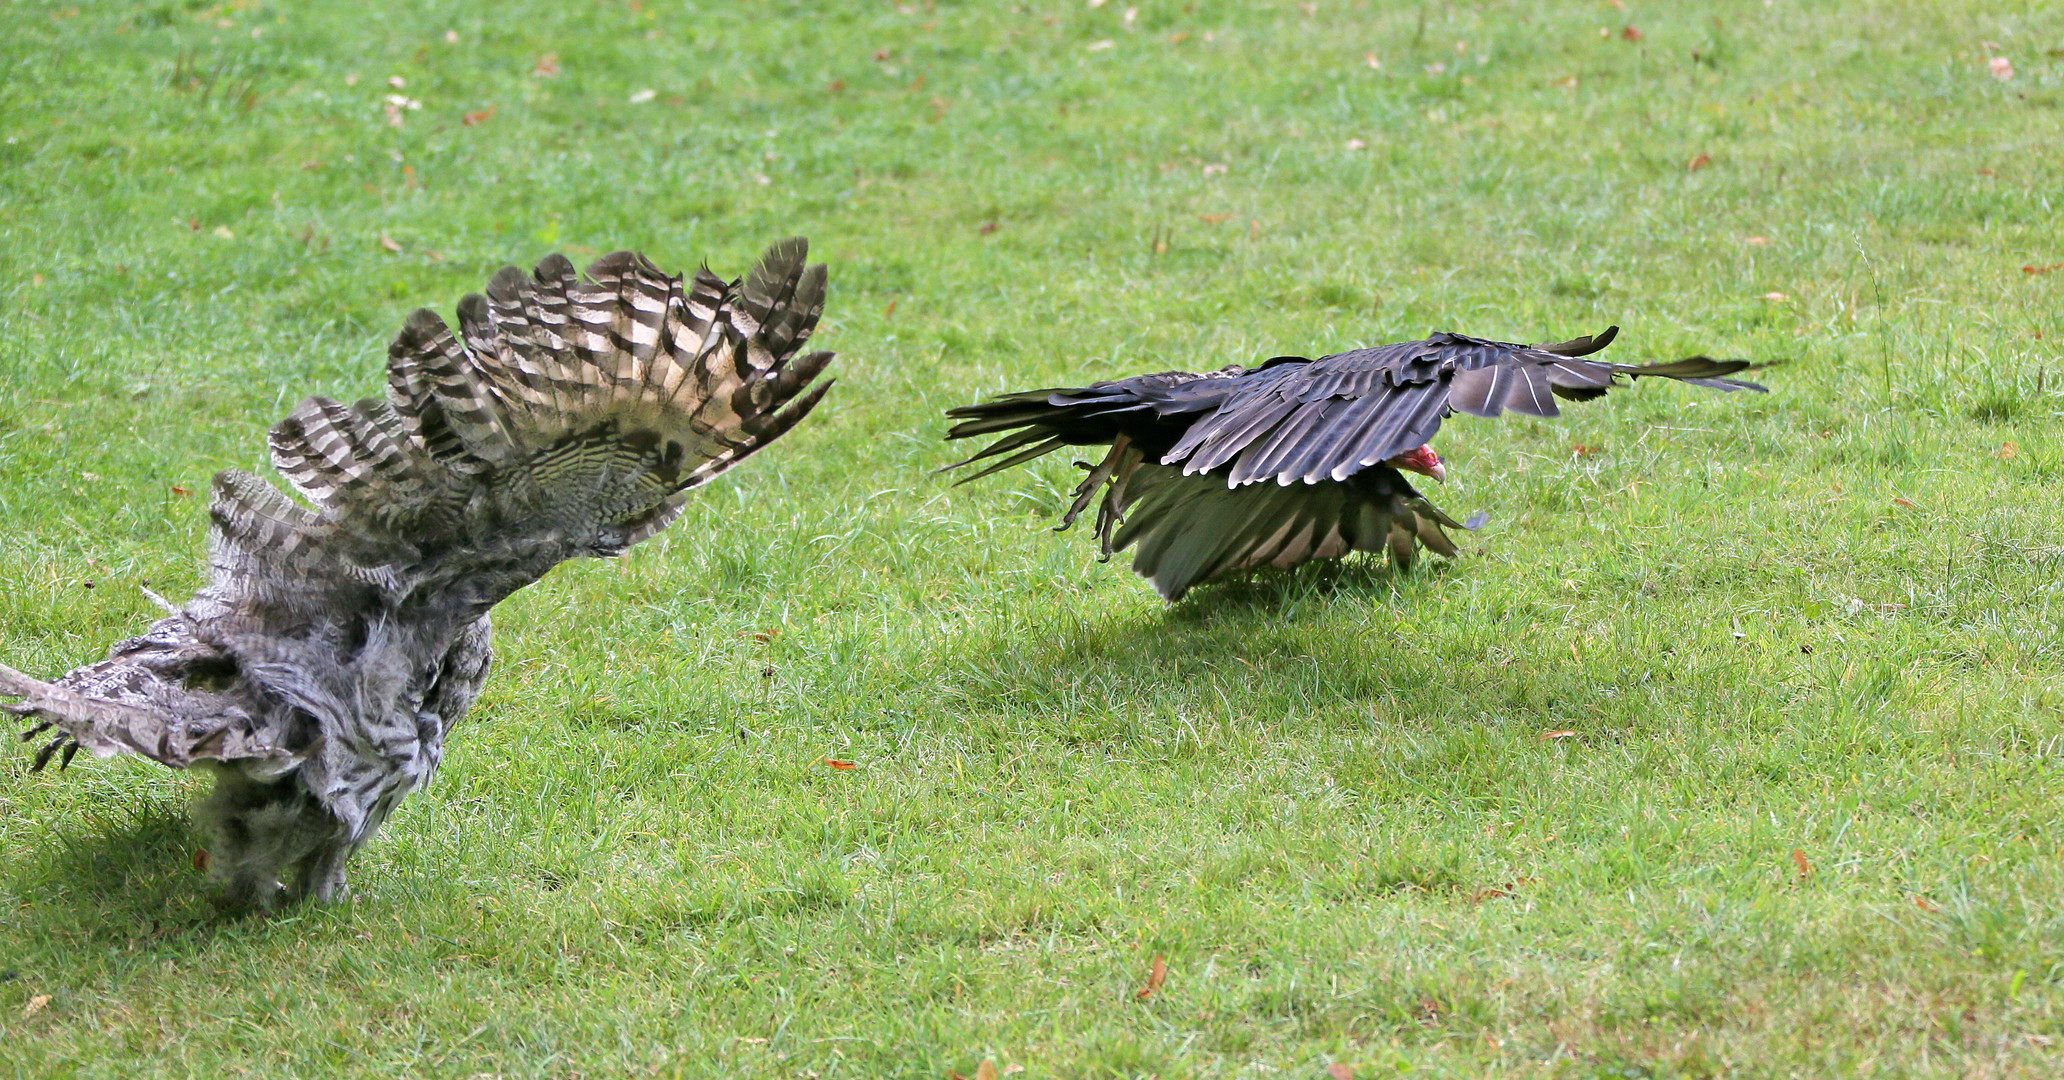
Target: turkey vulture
x,y
1185,478
333,649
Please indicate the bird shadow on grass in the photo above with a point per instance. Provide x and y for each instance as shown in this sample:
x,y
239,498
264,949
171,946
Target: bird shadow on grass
x,y
1305,592
125,870
1240,640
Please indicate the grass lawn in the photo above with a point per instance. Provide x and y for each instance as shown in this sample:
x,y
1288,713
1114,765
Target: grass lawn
x,y
1810,646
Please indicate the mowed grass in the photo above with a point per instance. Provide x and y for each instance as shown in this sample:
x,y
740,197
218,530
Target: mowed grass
x,y
1729,748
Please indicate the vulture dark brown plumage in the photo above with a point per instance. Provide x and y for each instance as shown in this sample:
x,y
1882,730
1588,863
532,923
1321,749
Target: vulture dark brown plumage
x,y
319,671
1213,473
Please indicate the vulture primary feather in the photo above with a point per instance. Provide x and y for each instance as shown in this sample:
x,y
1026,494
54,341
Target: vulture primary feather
x,y
334,646
1215,473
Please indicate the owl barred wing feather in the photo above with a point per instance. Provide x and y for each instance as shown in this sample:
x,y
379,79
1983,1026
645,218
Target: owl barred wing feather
x,y
336,642
1183,484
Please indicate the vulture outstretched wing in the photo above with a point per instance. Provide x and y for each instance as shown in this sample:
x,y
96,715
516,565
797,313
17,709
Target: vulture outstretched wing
x,y
335,644
1190,451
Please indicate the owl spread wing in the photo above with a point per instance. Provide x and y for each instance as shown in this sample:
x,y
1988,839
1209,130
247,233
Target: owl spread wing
x,y
565,417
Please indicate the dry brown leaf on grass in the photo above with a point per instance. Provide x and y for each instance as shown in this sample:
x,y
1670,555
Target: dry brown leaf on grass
x,y
1214,219
1337,1071
1156,975
387,242
1631,33
182,492
2032,268
474,119
35,1005
1901,500
1583,449
2008,451
986,1070
547,67
1697,163
1799,861
989,227
200,859
1563,733
840,764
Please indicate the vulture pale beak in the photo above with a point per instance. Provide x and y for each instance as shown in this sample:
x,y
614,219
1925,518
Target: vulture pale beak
x,y
1422,461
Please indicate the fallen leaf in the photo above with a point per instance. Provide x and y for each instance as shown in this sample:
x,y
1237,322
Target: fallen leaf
x,y
474,119
180,491
1987,172
1214,219
1922,903
838,86
1562,733
643,96
1755,241
1777,297
35,1005
1337,1071
1630,33
1131,16
200,859
986,1070
764,636
888,311
396,105
1156,975
222,232
2001,68
1697,163
351,79
1178,37
1901,500
1582,450
1309,7
989,227
1566,82
1012,1069
396,81
1357,144
387,242
547,67
451,37
311,165
2008,451
840,763
1216,169
1373,63
2034,269
1100,46
1799,860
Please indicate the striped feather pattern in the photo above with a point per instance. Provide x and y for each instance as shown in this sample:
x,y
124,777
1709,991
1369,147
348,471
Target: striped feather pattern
x,y
338,642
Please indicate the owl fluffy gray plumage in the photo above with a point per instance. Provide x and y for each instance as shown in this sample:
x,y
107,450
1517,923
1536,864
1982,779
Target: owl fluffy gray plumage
x,y
333,649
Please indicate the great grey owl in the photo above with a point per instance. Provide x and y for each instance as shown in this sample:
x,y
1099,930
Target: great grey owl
x,y
332,650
